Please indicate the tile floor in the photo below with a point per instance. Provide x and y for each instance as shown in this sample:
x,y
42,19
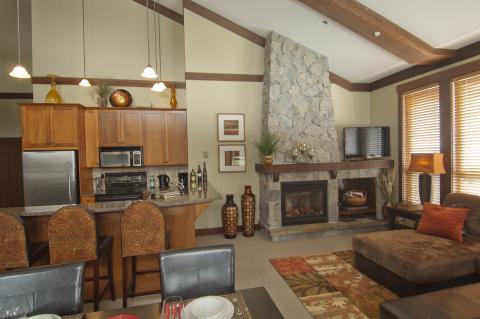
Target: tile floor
x,y
253,268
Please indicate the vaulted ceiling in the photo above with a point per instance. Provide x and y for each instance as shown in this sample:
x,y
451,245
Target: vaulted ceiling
x,y
441,24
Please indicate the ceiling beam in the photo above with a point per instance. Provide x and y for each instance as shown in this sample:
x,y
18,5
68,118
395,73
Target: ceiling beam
x,y
167,12
365,22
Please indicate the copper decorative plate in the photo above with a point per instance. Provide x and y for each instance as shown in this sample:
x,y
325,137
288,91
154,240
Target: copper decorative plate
x,y
120,98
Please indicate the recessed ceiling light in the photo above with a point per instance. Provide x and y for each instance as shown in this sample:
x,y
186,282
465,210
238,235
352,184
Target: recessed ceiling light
x,y
377,33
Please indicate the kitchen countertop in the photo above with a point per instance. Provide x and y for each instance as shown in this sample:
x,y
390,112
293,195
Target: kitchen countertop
x,y
118,206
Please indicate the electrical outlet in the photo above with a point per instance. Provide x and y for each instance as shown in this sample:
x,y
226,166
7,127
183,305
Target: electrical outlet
x,y
205,154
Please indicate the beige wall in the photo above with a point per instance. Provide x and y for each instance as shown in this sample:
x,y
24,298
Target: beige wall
x,y
115,45
384,110
9,111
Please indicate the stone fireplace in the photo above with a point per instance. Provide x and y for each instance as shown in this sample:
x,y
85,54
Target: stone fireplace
x,y
304,202
298,107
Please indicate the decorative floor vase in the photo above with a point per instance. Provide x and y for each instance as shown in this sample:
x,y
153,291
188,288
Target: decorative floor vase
x,y
248,212
229,218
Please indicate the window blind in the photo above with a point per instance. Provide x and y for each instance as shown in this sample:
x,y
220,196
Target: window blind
x,y
466,135
420,134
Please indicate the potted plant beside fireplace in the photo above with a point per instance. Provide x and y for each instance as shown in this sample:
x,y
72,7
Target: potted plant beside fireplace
x,y
267,146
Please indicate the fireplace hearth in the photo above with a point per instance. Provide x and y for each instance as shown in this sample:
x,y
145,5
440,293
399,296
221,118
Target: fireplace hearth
x,y
304,202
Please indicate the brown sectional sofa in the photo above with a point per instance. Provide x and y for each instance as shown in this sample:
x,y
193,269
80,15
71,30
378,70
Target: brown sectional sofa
x,y
410,263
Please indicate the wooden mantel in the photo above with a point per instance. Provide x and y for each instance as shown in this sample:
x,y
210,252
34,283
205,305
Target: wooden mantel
x,y
332,167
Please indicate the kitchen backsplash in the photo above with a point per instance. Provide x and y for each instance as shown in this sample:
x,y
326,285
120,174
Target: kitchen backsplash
x,y
171,171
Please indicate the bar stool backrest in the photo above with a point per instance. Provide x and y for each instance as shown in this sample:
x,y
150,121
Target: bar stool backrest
x,y
13,242
72,235
142,229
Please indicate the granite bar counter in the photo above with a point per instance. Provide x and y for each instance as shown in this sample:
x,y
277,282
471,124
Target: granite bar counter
x,y
119,206
180,216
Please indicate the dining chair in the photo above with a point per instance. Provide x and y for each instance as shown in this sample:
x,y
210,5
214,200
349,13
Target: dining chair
x,y
196,272
72,236
15,249
142,229
51,289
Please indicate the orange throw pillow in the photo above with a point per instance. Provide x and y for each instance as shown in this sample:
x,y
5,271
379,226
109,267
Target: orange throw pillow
x,y
441,221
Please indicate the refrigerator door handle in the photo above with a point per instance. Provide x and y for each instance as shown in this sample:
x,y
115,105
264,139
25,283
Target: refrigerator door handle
x,y
69,168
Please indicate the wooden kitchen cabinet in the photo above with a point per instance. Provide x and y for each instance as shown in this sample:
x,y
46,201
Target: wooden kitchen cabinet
x,y
165,138
120,128
46,127
131,128
154,138
176,137
91,138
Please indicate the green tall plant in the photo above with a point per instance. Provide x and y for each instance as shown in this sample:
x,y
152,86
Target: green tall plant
x,y
268,144
103,89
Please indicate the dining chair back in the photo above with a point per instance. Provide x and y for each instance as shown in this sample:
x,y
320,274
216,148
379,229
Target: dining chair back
x,y
13,242
196,272
72,235
54,289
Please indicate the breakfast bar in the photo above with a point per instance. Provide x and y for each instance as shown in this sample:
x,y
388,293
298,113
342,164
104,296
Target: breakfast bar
x,y
180,216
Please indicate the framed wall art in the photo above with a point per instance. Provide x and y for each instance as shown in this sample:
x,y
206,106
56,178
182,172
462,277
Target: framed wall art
x,y
231,127
231,158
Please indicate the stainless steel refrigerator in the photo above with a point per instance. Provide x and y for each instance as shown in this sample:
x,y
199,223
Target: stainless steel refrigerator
x,y
50,178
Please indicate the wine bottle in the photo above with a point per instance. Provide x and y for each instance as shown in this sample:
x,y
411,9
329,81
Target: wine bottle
x,y
193,181
204,175
199,175
152,184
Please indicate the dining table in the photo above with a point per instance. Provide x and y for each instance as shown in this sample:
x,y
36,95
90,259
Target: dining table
x,y
258,304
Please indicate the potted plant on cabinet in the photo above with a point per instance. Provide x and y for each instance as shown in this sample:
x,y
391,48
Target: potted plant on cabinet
x,y
103,90
267,146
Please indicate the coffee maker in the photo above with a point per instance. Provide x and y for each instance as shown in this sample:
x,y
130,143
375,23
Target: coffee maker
x,y
183,183
163,182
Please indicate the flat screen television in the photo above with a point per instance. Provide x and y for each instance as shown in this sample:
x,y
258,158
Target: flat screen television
x,y
366,142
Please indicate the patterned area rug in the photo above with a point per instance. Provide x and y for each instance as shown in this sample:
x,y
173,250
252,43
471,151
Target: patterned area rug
x,y
330,287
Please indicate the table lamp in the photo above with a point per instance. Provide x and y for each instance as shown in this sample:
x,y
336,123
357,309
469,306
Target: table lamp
x,y
426,164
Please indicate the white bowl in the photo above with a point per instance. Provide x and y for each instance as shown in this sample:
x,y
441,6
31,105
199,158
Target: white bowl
x,y
210,307
46,316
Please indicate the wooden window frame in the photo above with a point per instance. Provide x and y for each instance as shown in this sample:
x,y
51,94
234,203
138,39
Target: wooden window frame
x,y
443,79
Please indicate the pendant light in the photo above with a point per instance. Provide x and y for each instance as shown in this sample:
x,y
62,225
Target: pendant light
x,y
19,71
84,82
148,72
158,86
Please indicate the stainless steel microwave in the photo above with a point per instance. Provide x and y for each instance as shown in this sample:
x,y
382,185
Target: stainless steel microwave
x,y
121,157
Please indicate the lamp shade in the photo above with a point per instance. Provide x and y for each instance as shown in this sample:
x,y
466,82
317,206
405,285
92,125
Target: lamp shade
x,y
84,82
159,87
149,72
430,163
19,72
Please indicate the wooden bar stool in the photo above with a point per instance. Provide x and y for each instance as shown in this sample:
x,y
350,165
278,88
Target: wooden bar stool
x,y
143,233
72,237
15,248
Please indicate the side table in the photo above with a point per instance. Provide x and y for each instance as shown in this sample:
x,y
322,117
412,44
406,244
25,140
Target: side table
x,y
407,211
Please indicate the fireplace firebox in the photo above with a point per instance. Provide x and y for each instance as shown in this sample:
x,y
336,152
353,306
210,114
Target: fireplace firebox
x,y
304,202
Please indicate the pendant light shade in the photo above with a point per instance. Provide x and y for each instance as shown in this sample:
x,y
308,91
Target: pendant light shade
x,y
159,87
149,72
19,71
84,83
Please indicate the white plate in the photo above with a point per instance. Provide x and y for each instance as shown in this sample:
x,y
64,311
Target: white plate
x,y
45,317
228,310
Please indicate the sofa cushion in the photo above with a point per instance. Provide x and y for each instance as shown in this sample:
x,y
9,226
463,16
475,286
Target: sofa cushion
x,y
417,257
446,222
472,202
